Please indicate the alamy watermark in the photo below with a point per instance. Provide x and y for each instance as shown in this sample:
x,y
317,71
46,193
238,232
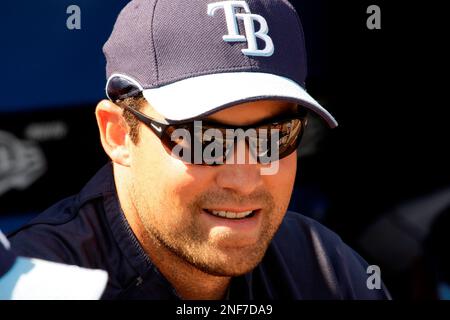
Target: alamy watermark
x,y
374,280
374,20
73,21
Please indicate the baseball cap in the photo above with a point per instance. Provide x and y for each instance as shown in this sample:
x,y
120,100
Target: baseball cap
x,y
191,58
35,279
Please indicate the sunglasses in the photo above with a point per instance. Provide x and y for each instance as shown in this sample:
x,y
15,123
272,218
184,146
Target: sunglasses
x,y
206,142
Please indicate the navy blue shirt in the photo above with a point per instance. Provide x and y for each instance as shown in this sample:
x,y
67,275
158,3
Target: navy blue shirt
x,y
305,260
7,258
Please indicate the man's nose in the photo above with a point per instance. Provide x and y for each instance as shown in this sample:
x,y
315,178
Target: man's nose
x,y
243,177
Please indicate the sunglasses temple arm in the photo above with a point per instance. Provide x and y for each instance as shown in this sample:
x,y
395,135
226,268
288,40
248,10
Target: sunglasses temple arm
x,y
157,127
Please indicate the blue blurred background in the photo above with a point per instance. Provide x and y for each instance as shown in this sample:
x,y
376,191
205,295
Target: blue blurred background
x,y
47,64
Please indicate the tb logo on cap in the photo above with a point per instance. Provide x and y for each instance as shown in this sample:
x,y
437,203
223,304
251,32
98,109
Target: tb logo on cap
x,y
250,33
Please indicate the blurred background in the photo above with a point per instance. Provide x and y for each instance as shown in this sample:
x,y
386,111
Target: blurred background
x,y
380,180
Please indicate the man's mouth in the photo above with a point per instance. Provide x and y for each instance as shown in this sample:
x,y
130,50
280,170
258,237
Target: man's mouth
x,y
233,215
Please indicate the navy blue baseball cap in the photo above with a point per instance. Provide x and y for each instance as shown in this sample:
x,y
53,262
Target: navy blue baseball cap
x,y
191,58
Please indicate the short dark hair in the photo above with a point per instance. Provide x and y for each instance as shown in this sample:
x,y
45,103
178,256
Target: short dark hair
x,y
137,103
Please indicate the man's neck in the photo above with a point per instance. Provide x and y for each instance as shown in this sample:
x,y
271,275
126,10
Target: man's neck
x,y
189,282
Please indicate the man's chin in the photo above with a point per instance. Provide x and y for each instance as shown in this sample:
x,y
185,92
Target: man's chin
x,y
221,271
226,265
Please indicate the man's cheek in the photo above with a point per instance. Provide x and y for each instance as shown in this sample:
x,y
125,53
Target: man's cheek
x,y
189,180
287,169
282,183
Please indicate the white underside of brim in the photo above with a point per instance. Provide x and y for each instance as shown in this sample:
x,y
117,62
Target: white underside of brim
x,y
193,97
34,279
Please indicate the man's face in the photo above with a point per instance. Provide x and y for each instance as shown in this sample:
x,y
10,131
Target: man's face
x,y
175,200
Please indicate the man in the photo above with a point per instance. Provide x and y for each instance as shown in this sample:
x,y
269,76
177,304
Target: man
x,y
26,279
189,207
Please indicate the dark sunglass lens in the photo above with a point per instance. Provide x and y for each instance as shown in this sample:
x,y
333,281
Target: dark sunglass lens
x,y
290,137
179,141
279,140
209,145
214,146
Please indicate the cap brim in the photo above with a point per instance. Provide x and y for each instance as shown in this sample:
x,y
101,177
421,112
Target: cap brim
x,y
199,96
34,279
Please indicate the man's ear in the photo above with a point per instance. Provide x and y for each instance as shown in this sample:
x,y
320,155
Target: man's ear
x,y
113,132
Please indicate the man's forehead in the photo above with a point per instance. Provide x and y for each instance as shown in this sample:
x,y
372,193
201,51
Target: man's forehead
x,y
254,111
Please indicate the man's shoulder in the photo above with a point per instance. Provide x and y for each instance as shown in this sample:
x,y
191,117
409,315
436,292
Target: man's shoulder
x,y
55,233
57,214
88,230
303,246
299,232
61,232
300,229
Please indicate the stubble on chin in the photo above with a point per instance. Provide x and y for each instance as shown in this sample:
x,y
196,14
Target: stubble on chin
x,y
183,238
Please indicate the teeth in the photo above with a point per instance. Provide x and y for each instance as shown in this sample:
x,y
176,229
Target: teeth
x,y
230,214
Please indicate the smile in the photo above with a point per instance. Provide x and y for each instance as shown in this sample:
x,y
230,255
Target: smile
x,y
231,214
